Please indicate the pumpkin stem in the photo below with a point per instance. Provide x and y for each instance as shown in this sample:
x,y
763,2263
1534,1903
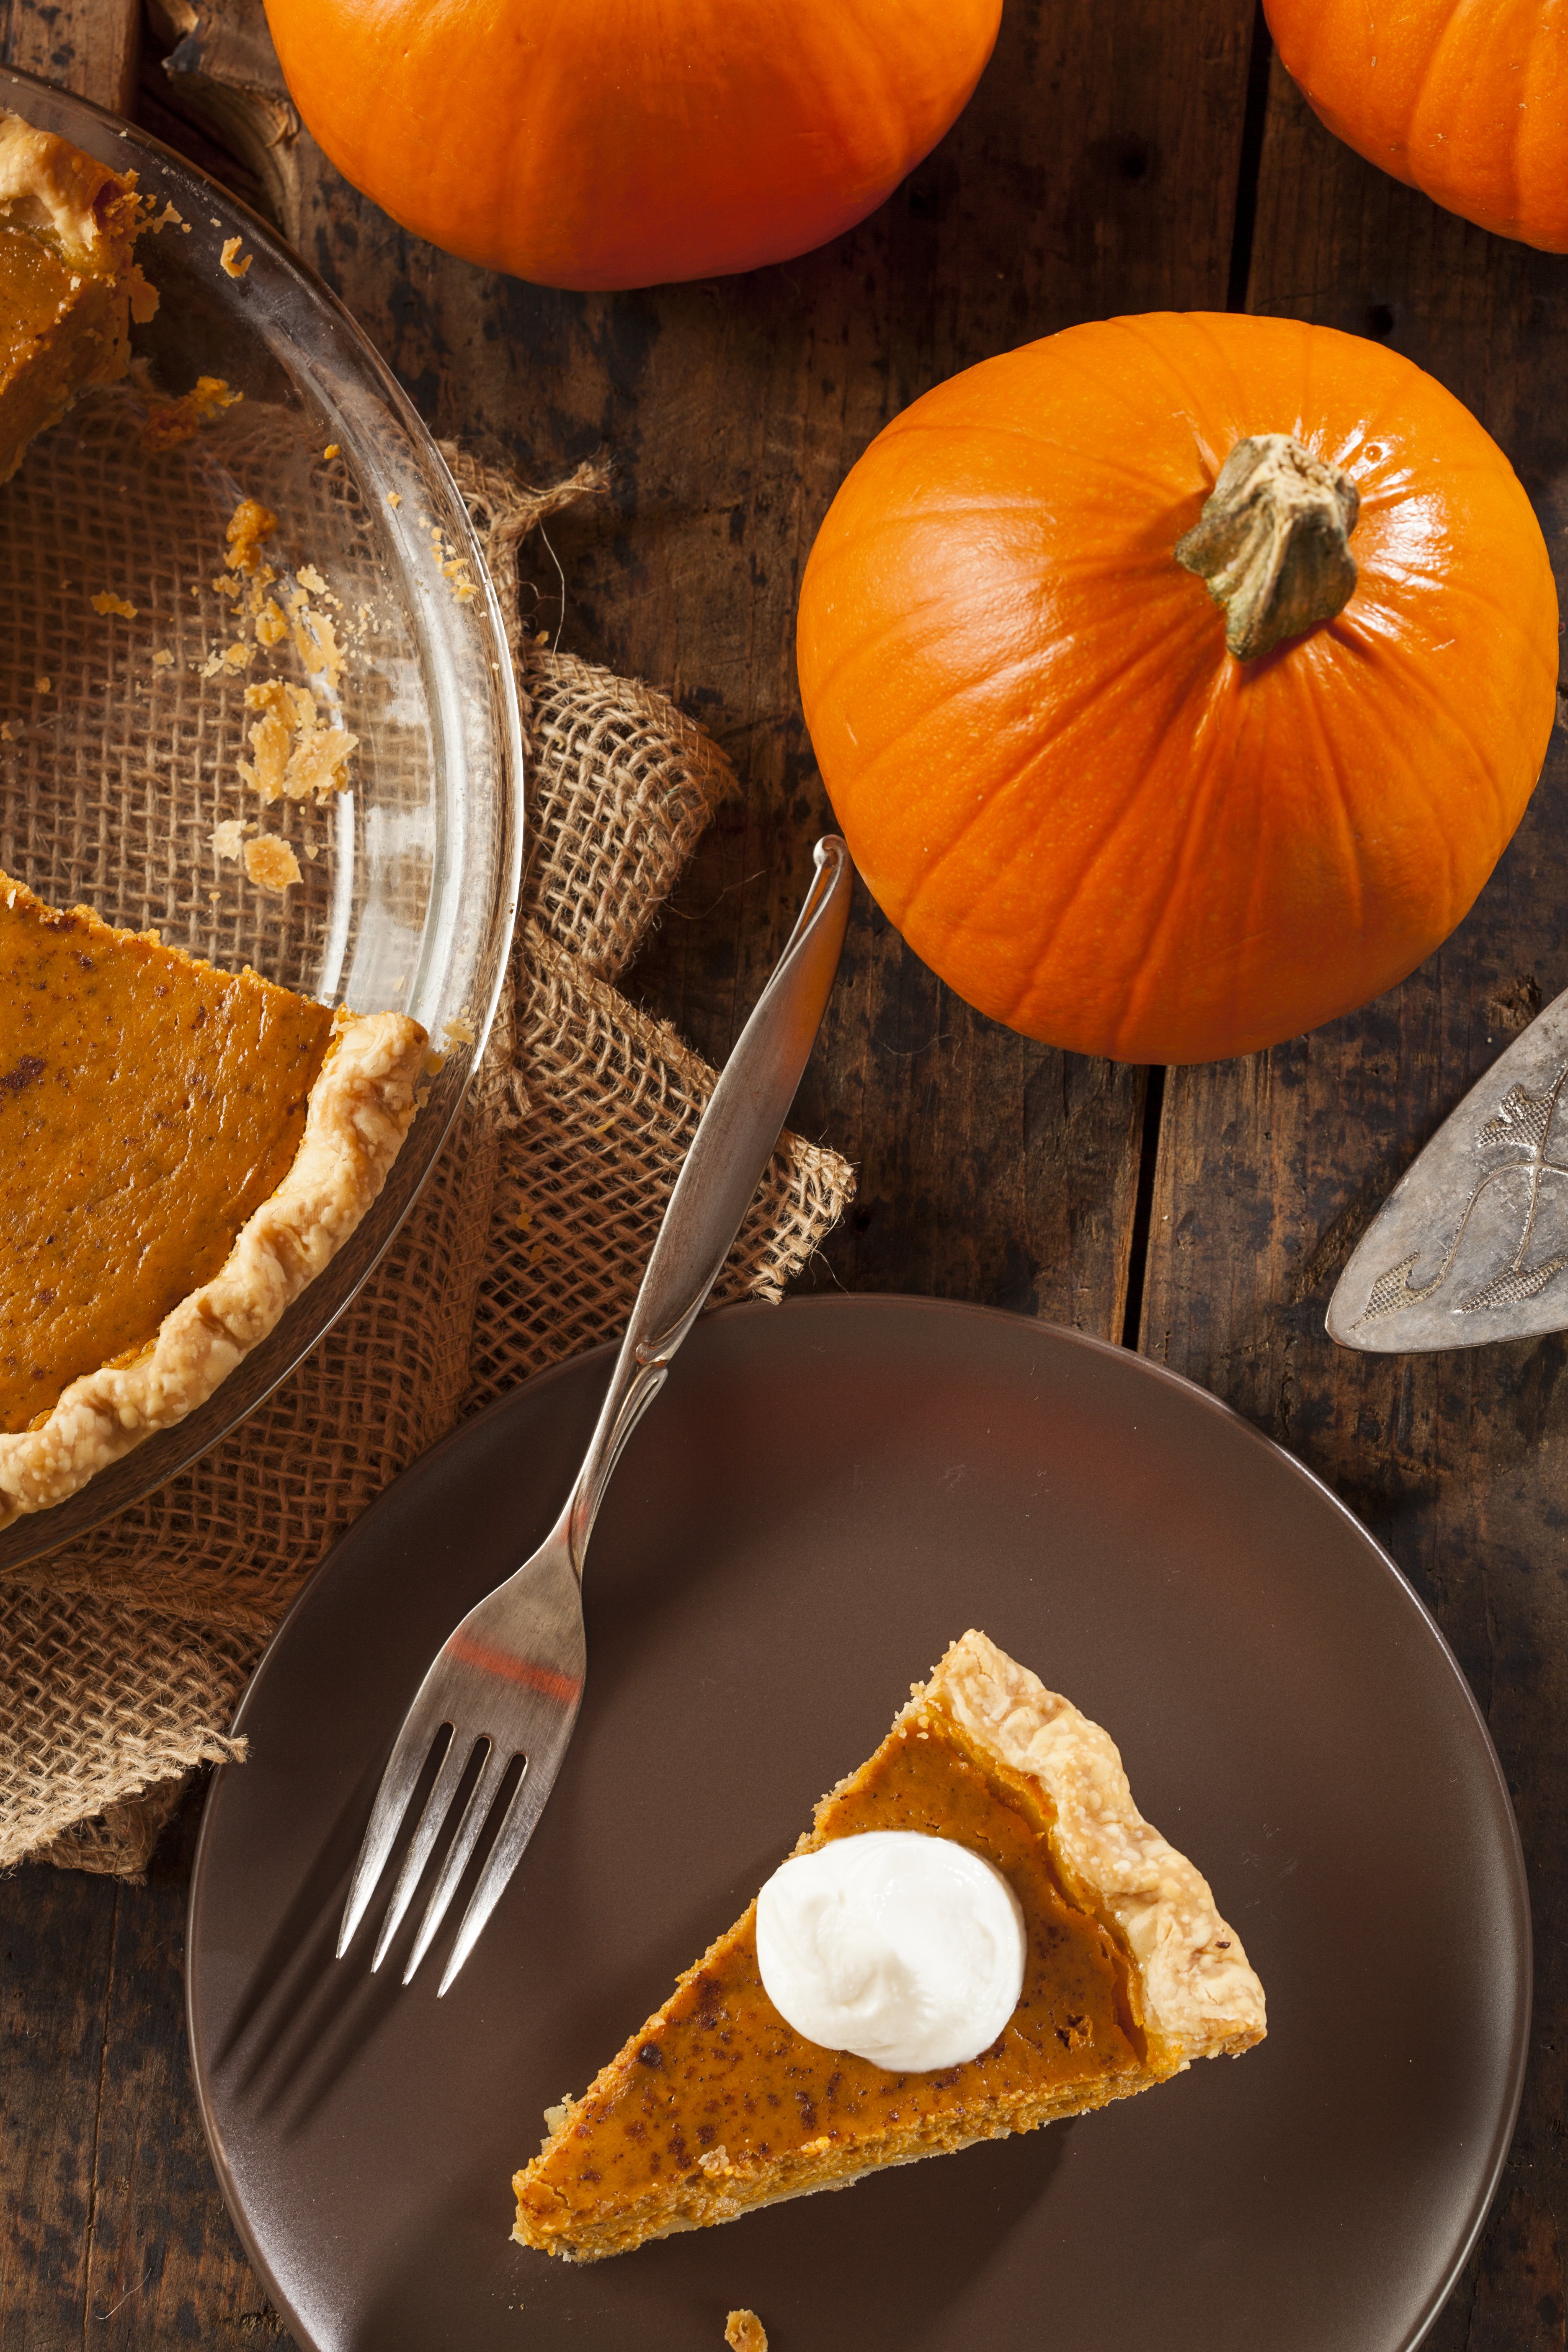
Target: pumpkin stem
x,y
1272,542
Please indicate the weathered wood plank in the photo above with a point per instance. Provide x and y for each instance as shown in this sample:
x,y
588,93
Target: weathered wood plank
x,y
91,47
1270,1167
165,2266
56,1945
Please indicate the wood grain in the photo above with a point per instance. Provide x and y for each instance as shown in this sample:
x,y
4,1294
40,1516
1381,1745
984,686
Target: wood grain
x,y
1270,1168
56,1967
165,2267
91,47
115,2234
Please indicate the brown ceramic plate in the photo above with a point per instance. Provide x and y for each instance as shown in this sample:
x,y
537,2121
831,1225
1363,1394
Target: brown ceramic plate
x,y
825,1494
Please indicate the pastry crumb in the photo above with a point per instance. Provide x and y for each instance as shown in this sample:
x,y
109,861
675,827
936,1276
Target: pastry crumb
x,y
247,530
228,837
461,1030
744,2332
107,601
308,577
295,755
315,638
394,498
234,658
331,451
43,685
271,864
235,262
170,422
162,658
8,733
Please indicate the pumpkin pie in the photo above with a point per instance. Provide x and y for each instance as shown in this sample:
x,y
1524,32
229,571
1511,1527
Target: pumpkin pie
x,y
68,285
181,1153
716,2105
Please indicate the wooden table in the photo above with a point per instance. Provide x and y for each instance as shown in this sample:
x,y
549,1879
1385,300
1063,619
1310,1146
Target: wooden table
x,y
1118,156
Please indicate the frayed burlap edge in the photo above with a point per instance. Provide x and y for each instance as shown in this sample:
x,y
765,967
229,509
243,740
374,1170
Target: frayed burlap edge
x,y
92,1809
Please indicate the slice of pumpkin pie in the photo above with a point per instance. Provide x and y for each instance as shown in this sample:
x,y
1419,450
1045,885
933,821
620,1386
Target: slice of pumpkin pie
x,y
68,285
983,1905
181,1151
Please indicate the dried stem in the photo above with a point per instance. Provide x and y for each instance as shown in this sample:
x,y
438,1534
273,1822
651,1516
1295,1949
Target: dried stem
x,y
1272,542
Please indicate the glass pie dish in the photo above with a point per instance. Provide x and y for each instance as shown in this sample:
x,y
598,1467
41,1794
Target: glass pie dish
x,y
126,653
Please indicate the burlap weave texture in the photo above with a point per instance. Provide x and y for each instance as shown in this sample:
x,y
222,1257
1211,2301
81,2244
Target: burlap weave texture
x,y
122,1656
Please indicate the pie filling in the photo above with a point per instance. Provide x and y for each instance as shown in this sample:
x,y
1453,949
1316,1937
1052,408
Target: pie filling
x,y
148,1104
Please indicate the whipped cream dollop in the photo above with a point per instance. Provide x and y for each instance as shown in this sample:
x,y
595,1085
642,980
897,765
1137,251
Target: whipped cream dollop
x,y
903,1948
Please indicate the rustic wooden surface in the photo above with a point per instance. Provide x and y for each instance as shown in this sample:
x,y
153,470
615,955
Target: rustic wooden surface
x,y
1118,156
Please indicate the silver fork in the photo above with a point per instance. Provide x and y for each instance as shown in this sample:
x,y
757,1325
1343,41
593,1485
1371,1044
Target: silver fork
x,y
508,1680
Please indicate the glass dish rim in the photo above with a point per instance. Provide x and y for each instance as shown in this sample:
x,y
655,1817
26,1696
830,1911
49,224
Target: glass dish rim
x,y
163,1456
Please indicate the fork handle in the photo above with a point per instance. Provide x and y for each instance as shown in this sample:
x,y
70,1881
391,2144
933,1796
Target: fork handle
x,y
734,1141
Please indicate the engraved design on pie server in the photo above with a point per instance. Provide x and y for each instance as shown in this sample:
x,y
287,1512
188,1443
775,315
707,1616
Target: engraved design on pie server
x,y
1521,1126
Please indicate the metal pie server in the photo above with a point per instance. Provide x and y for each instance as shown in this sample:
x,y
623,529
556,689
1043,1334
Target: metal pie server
x,y
507,1682
1472,1244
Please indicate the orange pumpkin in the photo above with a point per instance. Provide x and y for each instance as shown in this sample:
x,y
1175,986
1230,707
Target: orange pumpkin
x,y
624,143
1469,104
1093,818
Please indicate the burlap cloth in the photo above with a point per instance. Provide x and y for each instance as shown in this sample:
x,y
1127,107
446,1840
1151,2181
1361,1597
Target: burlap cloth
x,y
123,1656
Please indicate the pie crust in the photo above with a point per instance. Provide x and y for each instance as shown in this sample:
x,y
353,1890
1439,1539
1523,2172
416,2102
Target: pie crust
x,y
1200,1999
359,1106
68,285
716,2106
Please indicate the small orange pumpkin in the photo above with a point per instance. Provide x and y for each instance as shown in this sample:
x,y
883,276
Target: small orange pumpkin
x,y
1178,680
624,143
1471,105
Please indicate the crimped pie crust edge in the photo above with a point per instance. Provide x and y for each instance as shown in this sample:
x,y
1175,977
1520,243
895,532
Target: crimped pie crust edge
x,y
1200,1995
